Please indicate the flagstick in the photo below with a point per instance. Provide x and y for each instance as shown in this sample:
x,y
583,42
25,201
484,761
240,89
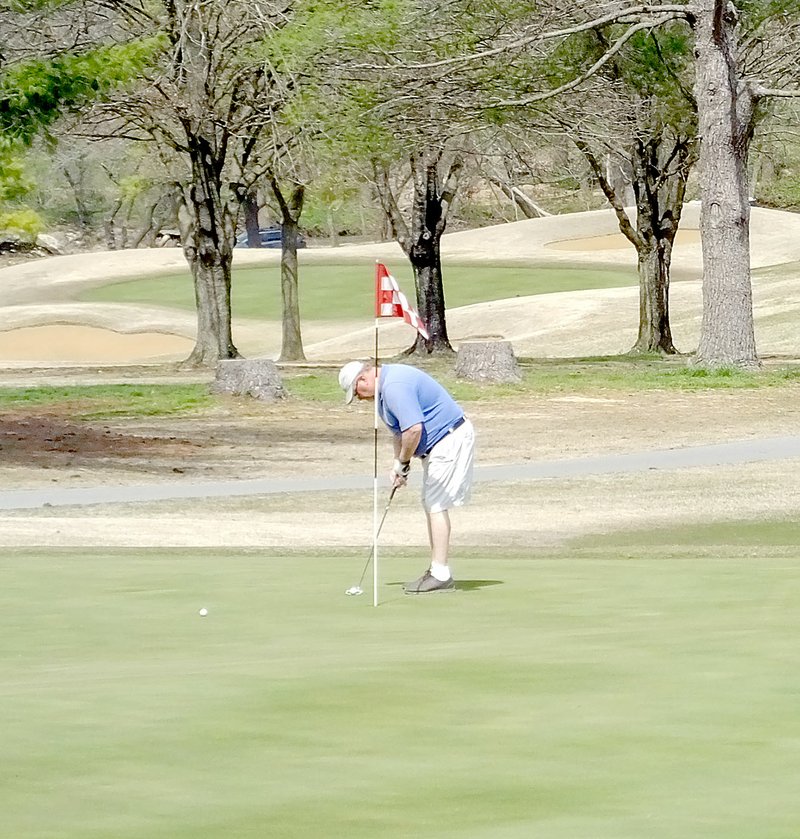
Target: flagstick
x,y
375,457
375,483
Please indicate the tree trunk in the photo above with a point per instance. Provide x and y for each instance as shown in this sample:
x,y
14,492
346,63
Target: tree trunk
x,y
660,167
251,223
429,219
726,109
207,238
421,240
77,185
291,209
427,263
655,333
212,295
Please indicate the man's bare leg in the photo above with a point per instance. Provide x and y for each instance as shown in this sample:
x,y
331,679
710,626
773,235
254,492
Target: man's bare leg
x,y
439,537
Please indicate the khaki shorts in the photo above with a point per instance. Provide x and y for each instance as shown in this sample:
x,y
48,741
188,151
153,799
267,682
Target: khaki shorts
x,y
447,470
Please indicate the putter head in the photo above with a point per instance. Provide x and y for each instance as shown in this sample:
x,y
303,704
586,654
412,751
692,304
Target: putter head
x,y
354,591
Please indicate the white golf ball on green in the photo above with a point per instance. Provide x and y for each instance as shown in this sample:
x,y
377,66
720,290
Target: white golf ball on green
x,y
203,612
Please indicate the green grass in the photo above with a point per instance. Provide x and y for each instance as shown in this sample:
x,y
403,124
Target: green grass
x,y
622,373
342,291
96,401
559,697
627,373
751,537
582,376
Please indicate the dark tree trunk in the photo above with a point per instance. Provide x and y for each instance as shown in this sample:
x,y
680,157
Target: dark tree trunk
x,y
251,223
726,110
291,209
426,261
655,333
421,239
660,169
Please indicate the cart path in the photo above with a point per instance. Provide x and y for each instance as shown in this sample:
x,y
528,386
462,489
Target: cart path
x,y
720,454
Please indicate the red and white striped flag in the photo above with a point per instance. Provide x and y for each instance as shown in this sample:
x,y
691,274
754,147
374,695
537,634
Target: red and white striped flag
x,y
390,302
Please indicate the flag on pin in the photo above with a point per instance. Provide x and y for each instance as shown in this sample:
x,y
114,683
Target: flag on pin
x,y
390,302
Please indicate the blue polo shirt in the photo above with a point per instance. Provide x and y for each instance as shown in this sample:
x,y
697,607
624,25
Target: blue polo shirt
x,y
407,396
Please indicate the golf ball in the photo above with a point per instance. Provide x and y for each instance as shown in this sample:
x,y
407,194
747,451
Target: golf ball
x,y
355,590
203,612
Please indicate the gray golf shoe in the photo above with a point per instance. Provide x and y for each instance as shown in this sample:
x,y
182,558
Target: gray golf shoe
x,y
427,584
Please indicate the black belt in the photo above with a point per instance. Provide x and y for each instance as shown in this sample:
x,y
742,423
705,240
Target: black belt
x,y
457,424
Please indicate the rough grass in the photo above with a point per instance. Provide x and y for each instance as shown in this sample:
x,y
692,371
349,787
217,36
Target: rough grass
x,y
577,376
96,401
562,697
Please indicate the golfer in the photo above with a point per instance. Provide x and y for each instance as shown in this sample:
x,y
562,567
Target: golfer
x,y
427,423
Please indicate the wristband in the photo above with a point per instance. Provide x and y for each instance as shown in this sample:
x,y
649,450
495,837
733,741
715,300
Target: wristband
x,y
402,468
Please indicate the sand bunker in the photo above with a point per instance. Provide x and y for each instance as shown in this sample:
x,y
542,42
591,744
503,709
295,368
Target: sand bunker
x,y
88,344
614,242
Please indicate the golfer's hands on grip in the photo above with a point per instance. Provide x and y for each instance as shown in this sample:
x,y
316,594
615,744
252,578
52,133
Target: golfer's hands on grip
x,y
398,477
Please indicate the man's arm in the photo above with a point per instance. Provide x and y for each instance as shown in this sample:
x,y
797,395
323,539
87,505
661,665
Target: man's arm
x,y
408,442
405,445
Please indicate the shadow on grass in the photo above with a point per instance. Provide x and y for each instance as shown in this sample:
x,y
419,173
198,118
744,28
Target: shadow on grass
x,y
467,585
475,585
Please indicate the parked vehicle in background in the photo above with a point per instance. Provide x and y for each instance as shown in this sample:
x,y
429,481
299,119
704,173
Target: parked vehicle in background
x,y
271,237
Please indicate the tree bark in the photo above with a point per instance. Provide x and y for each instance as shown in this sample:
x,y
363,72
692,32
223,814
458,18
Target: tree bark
x,y
248,200
660,167
726,112
207,239
421,240
291,207
655,332
487,361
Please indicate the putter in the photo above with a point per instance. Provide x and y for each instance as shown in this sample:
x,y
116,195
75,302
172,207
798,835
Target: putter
x,y
354,591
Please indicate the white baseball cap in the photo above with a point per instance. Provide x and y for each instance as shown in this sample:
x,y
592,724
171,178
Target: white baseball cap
x,y
347,378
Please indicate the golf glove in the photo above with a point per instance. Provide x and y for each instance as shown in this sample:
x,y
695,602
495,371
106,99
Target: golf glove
x,y
401,468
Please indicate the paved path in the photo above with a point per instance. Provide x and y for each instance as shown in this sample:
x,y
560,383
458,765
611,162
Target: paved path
x,y
721,454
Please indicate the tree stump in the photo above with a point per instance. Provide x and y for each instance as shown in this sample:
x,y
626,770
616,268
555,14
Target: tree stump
x,y
487,361
256,377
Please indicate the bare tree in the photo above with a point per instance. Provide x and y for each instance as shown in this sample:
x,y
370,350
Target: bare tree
x,y
641,146
728,93
207,102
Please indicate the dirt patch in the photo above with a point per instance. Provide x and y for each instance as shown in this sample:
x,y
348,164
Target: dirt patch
x,y
55,442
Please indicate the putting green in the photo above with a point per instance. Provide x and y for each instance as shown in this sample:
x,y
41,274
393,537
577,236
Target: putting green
x,y
553,698
336,291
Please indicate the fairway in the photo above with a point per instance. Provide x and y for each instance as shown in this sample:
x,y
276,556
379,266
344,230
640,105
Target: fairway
x,y
342,291
575,696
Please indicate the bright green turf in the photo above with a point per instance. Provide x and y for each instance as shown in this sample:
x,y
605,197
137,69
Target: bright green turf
x,y
577,696
92,401
330,292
